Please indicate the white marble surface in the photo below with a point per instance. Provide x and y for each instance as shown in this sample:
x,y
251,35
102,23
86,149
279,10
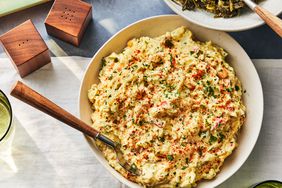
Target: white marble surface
x,y
50,154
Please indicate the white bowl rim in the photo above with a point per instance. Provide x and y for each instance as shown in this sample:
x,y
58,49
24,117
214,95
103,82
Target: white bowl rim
x,y
243,28
116,174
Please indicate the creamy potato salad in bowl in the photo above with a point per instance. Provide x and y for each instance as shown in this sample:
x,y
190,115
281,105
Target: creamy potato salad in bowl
x,y
184,102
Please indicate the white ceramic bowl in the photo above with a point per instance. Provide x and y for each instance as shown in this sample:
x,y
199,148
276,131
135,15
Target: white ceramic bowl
x,y
246,20
238,58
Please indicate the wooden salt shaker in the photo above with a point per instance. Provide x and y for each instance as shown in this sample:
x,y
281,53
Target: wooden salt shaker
x,y
68,19
25,48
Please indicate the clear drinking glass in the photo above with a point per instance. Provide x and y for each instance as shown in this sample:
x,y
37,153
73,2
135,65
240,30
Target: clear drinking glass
x,y
7,130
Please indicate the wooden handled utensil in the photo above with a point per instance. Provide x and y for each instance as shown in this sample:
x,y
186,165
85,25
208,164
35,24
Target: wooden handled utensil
x,y
31,97
272,21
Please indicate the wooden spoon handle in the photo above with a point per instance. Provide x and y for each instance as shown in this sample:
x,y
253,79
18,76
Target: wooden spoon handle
x,y
273,21
31,97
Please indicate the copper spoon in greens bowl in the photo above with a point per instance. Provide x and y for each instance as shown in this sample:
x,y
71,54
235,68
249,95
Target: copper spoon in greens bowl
x,y
31,97
272,21
229,9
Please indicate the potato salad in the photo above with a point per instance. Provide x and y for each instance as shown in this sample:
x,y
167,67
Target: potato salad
x,y
175,106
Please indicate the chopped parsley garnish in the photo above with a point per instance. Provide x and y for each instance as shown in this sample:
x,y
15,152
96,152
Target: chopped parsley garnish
x,y
141,122
134,67
200,151
133,168
162,139
170,157
168,43
170,59
103,62
213,139
221,137
209,90
229,89
202,134
237,88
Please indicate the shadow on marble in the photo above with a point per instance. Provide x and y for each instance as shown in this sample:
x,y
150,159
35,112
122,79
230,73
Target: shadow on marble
x,y
29,161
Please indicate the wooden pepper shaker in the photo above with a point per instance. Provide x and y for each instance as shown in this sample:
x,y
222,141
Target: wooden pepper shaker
x,y
25,48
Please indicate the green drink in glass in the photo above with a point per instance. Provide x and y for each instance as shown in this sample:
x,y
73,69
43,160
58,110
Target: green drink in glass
x,y
5,117
6,130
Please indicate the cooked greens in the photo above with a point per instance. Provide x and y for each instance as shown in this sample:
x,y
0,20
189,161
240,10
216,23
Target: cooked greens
x,y
221,8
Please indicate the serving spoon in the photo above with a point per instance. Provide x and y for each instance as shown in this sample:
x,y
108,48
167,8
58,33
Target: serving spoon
x,y
272,21
31,97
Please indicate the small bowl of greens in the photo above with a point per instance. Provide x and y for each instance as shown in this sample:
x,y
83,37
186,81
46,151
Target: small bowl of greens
x,y
268,184
225,15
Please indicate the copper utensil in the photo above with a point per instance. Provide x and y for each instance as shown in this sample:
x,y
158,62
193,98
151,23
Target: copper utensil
x,y
272,21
